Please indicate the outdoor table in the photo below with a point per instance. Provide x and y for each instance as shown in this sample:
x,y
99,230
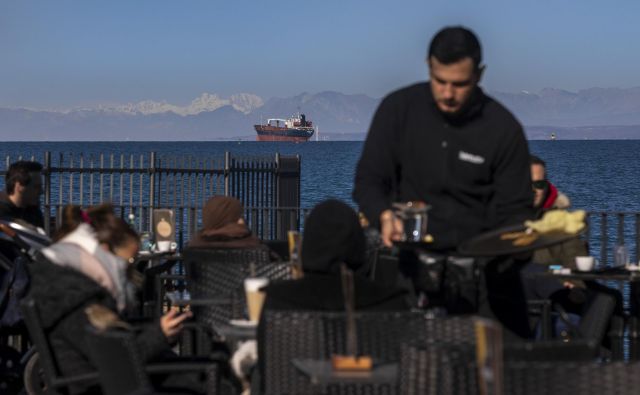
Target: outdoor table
x,y
152,265
321,374
147,260
611,274
235,333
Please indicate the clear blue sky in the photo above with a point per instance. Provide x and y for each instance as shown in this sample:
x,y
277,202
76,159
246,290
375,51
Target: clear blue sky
x,y
56,54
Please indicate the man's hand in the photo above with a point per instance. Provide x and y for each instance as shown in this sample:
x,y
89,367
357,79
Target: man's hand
x,y
171,322
390,228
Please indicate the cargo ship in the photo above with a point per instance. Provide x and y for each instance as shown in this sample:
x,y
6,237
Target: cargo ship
x,y
296,128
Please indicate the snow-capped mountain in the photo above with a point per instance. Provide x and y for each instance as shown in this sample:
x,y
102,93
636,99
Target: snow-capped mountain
x,y
243,102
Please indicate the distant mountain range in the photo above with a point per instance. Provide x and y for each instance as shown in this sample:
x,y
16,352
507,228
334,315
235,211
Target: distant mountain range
x,y
595,113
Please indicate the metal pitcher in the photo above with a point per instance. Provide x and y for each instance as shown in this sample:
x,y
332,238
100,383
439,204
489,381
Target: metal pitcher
x,y
414,219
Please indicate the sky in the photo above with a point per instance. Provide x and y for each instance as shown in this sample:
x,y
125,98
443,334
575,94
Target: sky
x,y
63,54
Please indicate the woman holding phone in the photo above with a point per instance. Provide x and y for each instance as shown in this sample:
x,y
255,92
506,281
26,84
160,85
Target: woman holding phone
x,y
86,278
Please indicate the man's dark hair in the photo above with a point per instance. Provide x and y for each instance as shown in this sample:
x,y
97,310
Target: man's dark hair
x,y
455,43
20,171
534,160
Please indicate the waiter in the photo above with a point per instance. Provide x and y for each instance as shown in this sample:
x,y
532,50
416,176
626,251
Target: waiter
x,y
448,144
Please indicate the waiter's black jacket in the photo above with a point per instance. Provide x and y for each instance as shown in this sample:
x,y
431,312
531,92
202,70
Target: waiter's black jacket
x,y
472,169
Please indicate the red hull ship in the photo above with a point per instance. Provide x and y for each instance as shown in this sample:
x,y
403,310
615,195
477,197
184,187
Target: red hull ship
x,y
291,129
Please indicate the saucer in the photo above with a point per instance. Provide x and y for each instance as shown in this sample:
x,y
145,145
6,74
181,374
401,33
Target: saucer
x,y
244,323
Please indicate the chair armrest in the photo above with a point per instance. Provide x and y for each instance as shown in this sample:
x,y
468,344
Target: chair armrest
x,y
201,302
81,378
178,365
551,350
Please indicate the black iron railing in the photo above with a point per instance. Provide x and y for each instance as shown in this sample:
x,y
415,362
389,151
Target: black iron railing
x,y
137,184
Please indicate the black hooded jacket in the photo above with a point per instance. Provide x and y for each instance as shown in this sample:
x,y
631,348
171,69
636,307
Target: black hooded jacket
x,y
332,236
61,295
9,211
472,169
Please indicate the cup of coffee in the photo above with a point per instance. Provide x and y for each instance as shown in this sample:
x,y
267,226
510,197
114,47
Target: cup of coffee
x,y
255,296
163,246
585,263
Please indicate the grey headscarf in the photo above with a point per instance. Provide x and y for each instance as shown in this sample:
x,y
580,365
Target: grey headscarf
x,y
81,251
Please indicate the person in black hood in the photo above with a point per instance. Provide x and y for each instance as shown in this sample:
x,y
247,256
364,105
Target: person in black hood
x,y
332,236
444,142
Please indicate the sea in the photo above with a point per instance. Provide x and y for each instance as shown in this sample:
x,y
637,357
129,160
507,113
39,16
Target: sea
x,y
597,175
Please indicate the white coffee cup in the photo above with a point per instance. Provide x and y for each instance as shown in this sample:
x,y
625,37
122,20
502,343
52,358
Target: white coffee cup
x,y
585,263
255,297
163,246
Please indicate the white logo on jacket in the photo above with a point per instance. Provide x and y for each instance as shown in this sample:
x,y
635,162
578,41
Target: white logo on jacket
x,y
471,158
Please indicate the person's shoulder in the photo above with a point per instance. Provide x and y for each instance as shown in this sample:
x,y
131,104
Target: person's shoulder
x,y
6,207
495,110
562,201
407,93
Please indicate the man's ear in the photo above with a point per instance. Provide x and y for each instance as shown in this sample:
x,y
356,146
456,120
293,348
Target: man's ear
x,y
480,71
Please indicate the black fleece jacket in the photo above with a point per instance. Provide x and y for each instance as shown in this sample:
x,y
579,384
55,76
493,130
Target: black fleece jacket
x,y
10,211
472,169
62,294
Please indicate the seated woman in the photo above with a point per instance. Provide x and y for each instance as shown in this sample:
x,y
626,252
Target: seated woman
x,y
332,235
223,226
82,279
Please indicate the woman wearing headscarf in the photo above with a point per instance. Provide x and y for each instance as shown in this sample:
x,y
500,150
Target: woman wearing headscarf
x,y
223,226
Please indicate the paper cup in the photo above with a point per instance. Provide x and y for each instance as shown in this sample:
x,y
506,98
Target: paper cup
x,y
255,297
585,263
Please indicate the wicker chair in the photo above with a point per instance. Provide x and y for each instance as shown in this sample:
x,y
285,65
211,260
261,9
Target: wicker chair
x,y
44,363
585,378
438,369
122,370
592,330
318,335
290,335
218,274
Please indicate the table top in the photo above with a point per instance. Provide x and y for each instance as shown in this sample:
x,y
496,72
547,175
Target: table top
x,y
614,274
493,243
237,333
159,261
322,372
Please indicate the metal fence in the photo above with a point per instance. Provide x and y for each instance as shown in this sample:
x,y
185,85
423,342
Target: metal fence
x,y
268,186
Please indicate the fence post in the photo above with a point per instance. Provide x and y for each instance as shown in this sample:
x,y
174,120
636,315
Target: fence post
x,y
637,238
152,187
227,171
603,239
47,191
287,194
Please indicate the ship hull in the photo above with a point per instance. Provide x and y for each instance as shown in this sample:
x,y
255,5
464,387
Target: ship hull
x,y
272,133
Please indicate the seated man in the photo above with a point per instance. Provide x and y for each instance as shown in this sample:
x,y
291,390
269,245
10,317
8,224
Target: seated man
x,y
573,296
21,199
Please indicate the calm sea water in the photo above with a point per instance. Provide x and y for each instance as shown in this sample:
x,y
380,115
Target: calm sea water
x,y
596,175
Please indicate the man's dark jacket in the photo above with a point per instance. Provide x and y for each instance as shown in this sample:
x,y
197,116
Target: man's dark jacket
x,y
473,169
10,211
62,294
